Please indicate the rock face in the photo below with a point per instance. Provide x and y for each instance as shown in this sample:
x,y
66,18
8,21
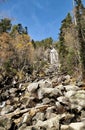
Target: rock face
x,y
51,103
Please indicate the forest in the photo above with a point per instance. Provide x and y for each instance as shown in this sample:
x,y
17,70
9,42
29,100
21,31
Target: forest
x,y
21,55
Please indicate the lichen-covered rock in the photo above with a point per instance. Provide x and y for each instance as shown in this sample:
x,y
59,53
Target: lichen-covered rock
x,y
48,92
7,109
78,100
37,117
5,123
1,128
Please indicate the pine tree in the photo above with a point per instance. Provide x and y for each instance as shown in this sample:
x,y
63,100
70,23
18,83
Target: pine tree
x,y
79,18
66,23
5,25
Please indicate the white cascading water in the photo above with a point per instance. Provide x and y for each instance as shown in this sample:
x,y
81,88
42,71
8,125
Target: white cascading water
x,y
54,60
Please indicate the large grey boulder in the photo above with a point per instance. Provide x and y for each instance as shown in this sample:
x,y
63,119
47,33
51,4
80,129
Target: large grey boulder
x,y
44,91
49,124
37,117
77,126
5,123
78,100
49,92
45,83
63,100
7,109
80,94
71,87
70,93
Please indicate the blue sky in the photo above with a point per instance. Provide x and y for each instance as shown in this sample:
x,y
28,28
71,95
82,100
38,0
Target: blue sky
x,y
42,17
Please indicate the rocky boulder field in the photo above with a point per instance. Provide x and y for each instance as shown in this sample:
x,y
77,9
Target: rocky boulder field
x,y
52,102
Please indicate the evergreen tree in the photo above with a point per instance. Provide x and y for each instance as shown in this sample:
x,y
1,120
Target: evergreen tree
x,y
66,23
18,29
25,30
5,25
79,13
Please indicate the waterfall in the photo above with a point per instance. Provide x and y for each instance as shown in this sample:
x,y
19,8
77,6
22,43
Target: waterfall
x,y
54,57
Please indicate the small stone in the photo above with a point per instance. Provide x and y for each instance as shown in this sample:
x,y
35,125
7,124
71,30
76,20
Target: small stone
x,y
82,115
16,99
65,127
49,112
45,83
8,102
2,104
59,108
63,100
80,84
27,119
12,90
46,100
32,87
37,117
23,127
